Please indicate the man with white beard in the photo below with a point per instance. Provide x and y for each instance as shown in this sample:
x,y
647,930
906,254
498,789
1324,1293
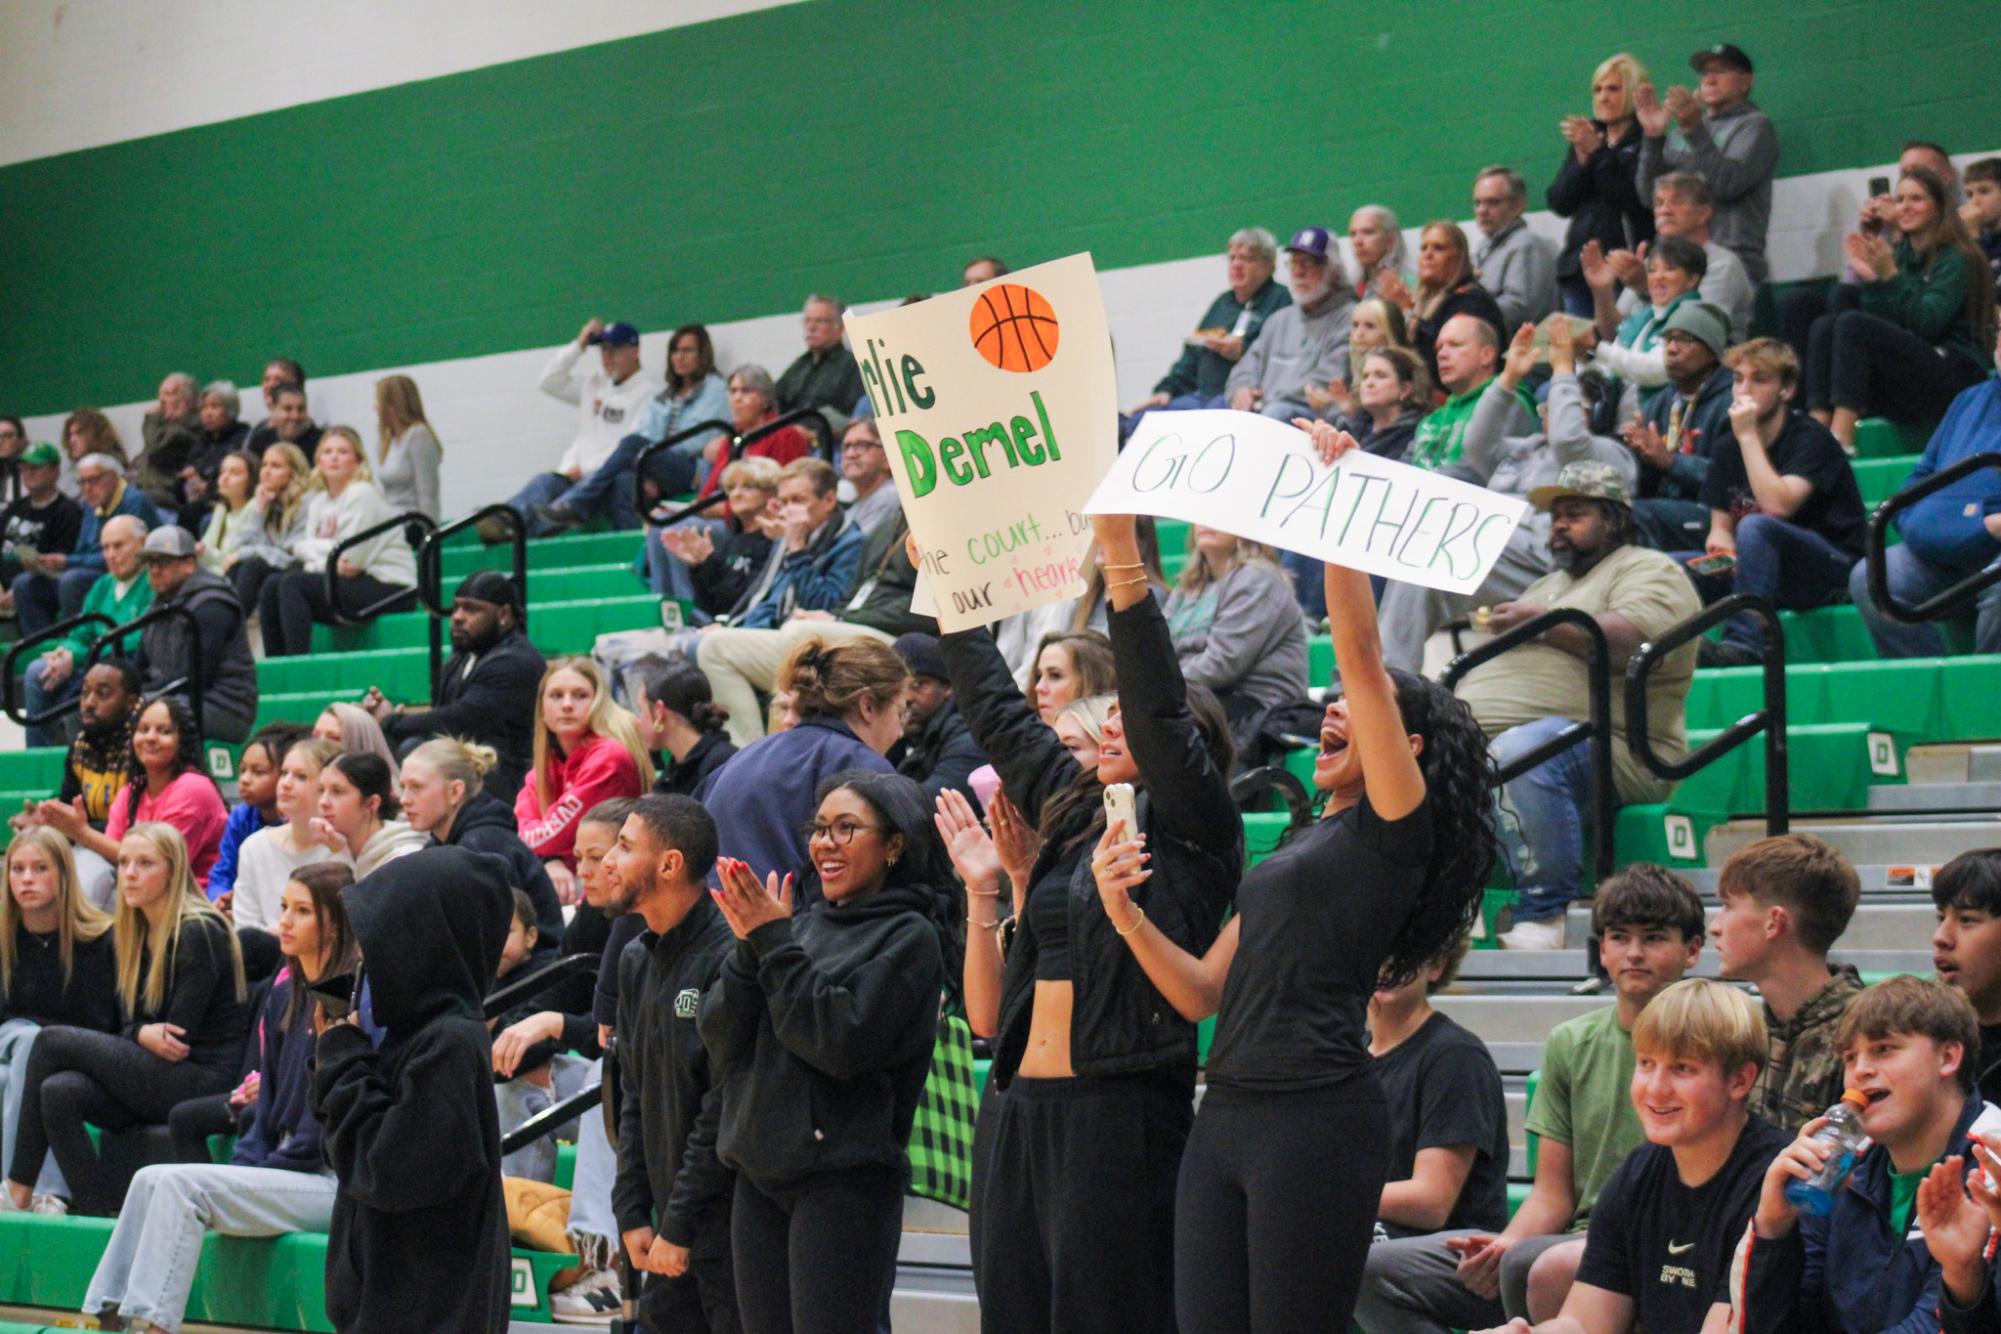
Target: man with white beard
x,y
1304,343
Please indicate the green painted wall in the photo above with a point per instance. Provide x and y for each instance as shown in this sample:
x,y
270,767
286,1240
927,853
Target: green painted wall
x,y
864,147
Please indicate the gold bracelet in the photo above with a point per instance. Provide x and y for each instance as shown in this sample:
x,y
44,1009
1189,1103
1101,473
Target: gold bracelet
x,y
1126,583
1136,925
1136,565
984,926
983,893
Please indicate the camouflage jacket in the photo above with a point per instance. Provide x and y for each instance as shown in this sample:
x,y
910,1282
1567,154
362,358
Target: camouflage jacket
x,y
1803,1076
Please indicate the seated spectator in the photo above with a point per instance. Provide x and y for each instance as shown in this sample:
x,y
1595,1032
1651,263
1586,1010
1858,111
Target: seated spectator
x,y
167,653
1468,352
359,813
865,468
1907,1045
1673,439
1683,207
444,796
270,857
1513,465
1647,925
708,564
1375,325
1722,137
1515,266
56,968
1631,348
1302,343
222,432
181,994
1069,665
526,1092
1594,187
1917,327
41,519
286,422
1227,329
825,375
1782,497
275,523
171,430
1392,395
753,403
982,270
165,782
849,696
679,718
1981,213
487,692
610,399
1697,1049
13,439
587,749
354,730
1375,244
59,591
1786,900
814,565
938,748
276,1180
1966,949
693,394
1445,288
94,768
256,805
408,454
1235,626
1534,692
88,431
343,501
121,593
230,519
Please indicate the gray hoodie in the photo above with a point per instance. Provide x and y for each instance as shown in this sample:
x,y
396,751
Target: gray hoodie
x,y
1514,465
1297,348
1736,151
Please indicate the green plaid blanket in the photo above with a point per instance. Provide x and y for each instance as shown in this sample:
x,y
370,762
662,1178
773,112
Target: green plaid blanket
x,y
941,1138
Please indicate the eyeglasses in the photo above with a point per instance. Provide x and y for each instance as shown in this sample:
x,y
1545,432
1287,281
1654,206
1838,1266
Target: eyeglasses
x,y
858,445
840,833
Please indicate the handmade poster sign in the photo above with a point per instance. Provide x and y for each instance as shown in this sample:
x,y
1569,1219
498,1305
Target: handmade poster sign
x,y
998,411
1262,480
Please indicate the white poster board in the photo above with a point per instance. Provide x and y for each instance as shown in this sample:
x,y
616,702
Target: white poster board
x,y
998,409
1261,479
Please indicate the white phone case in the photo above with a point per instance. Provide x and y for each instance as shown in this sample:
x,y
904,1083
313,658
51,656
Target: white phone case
x,y
1119,805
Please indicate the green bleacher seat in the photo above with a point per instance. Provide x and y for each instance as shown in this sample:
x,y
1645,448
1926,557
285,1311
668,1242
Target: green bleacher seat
x,y
465,554
555,627
1878,437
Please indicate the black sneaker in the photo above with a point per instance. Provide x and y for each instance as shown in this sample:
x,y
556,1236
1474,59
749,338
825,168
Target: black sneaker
x,y
557,518
1724,653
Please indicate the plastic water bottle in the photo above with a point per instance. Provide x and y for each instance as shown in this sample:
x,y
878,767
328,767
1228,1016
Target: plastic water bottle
x,y
1815,1195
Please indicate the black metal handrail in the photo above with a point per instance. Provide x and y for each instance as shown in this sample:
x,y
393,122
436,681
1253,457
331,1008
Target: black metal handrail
x,y
738,444
1942,604
551,1118
192,682
431,577
712,426
1598,730
1771,719
415,527
505,997
13,704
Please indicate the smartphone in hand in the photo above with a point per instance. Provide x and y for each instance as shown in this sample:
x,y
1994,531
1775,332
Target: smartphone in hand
x,y
1121,805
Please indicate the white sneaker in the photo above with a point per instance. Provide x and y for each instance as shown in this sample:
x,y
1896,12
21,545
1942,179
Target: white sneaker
x,y
591,1300
1546,934
55,1206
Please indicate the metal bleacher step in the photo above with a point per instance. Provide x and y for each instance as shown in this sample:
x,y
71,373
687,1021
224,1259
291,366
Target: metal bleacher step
x,y
1882,840
1494,972
1983,763
1970,798
1897,927
1520,1019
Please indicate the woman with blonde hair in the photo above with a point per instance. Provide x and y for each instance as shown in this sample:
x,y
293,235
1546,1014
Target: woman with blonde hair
x,y
587,750
269,857
354,728
56,968
1445,287
276,513
342,501
180,992
444,798
1597,185
1375,325
408,453
1235,624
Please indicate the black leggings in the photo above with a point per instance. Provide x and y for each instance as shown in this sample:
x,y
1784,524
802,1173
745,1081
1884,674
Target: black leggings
x,y
1277,1207
191,1123
293,601
248,577
111,1082
702,1300
1871,366
818,1257
1074,1204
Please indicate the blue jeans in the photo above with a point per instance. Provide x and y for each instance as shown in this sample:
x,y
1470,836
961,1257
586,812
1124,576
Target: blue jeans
x,y
1541,822
37,697
542,489
1913,579
609,489
1791,567
41,600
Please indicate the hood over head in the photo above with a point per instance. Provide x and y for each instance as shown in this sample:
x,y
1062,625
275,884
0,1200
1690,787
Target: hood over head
x,y
431,926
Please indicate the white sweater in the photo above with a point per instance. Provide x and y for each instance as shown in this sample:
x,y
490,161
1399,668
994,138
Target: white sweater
x,y
263,865
330,520
606,412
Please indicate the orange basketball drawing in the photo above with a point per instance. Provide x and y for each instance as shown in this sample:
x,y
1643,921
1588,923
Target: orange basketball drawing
x,y
1014,328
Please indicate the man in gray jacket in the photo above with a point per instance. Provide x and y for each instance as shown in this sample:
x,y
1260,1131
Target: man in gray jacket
x,y
1409,614
1513,263
1723,138
1304,343
228,671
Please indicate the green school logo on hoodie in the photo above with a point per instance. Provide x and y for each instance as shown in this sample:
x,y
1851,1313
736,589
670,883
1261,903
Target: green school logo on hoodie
x,y
684,1004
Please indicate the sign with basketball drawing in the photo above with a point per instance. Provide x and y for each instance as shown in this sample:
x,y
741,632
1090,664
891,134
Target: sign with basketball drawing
x,y
999,413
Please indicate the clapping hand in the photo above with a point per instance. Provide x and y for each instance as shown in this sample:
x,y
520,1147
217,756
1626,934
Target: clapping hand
x,y
1685,107
1392,288
747,905
1521,354
968,844
1583,135
1017,842
690,545
1630,266
1591,262
1645,439
1870,256
1955,1229
1647,109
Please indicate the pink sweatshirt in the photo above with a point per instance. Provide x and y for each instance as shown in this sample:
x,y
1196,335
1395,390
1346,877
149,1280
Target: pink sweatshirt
x,y
596,771
190,804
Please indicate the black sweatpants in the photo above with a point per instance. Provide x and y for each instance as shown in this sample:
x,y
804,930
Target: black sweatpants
x,y
817,1257
1277,1207
1076,1212
74,1076
702,1300
1871,366
293,601
192,1122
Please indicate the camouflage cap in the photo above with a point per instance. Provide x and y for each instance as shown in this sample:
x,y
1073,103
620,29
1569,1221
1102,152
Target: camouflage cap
x,y
1587,481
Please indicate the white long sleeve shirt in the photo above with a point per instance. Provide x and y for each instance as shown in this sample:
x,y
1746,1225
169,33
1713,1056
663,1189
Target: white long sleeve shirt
x,y
606,412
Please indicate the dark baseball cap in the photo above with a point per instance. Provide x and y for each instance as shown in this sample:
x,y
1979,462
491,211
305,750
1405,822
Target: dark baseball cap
x,y
1723,51
617,334
1315,241
488,586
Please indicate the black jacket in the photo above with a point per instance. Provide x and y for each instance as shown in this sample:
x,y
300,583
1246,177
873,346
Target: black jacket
x,y
1121,1023
722,580
886,583
820,1030
37,990
200,997
229,671
944,754
1703,423
419,1233
486,824
684,775
668,1176
489,698
1601,197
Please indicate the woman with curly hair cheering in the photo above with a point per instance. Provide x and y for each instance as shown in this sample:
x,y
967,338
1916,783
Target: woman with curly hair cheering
x,y
1279,1185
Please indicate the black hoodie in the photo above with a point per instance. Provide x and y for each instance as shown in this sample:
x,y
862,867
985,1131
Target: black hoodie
x,y
820,1030
487,824
419,1233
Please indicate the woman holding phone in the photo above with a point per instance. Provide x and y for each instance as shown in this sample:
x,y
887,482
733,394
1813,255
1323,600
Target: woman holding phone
x,y
1274,1214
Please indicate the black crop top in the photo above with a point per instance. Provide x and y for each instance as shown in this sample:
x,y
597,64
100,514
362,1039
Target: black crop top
x,y
1048,913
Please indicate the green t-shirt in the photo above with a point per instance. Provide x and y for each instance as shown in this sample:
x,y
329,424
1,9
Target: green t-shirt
x,y
1584,1099
1904,1195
